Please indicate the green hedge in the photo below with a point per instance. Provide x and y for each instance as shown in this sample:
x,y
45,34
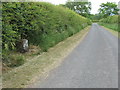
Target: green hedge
x,y
41,23
111,22
110,19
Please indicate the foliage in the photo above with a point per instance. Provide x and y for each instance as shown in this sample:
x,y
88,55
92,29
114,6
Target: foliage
x,y
110,22
82,8
16,60
41,23
107,9
110,26
96,17
13,60
110,19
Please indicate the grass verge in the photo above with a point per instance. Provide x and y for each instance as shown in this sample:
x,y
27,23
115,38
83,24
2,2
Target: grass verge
x,y
115,33
38,66
113,26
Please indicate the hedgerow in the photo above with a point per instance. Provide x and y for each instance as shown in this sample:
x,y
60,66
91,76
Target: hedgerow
x,y
111,22
41,23
110,19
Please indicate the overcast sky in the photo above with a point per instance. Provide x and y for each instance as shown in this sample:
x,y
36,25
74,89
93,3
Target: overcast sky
x,y
95,3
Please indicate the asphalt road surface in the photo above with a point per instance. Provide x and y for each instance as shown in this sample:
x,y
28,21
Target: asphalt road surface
x,y
92,64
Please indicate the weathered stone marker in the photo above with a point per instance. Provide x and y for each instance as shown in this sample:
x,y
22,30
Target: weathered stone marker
x,y
23,45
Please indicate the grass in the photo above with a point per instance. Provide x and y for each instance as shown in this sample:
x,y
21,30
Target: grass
x,y
113,26
14,59
22,76
114,32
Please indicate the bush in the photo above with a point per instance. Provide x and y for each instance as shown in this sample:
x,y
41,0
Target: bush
x,y
110,22
110,19
41,23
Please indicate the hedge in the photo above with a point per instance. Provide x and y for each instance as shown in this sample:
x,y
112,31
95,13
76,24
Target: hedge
x,y
110,19
41,23
111,22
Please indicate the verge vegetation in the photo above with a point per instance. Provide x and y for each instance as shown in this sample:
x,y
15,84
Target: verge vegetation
x,y
39,66
111,22
43,24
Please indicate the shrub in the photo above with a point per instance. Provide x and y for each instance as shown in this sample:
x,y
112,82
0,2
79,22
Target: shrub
x,y
110,22
41,23
110,19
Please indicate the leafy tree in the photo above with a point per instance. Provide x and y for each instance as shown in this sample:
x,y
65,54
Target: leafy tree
x,y
107,9
82,8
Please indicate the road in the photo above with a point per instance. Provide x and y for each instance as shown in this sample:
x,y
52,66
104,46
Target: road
x,y
92,64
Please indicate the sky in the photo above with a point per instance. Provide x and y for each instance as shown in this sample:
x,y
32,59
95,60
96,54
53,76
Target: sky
x,y
95,3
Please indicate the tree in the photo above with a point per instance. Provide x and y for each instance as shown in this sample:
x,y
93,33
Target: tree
x,y
107,9
82,8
